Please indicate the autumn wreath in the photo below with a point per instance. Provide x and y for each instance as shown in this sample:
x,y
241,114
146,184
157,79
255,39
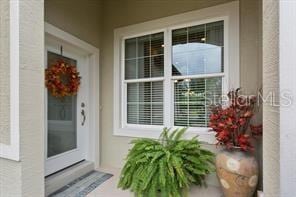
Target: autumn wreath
x,y
62,79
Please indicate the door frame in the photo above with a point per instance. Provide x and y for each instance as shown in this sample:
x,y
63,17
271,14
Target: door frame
x,y
93,152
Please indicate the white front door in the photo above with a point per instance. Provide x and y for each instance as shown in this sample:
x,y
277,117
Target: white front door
x,y
67,125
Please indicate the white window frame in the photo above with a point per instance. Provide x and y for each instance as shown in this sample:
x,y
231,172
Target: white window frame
x,y
228,12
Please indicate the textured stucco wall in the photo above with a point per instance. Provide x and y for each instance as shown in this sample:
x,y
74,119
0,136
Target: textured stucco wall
x,y
80,18
251,47
271,134
251,59
25,178
32,96
10,178
126,12
9,170
4,72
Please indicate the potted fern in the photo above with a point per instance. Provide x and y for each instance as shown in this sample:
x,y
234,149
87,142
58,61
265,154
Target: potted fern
x,y
167,166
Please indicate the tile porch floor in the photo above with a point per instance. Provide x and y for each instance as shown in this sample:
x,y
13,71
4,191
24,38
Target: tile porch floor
x,y
109,188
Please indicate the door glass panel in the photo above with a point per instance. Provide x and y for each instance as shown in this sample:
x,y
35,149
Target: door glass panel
x,y
61,114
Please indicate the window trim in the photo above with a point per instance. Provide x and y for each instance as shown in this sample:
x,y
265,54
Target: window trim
x,y
228,12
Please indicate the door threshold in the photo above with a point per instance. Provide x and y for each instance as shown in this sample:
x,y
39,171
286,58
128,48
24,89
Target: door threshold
x,y
61,178
64,169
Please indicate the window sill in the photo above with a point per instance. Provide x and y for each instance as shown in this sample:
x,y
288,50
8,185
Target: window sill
x,y
203,133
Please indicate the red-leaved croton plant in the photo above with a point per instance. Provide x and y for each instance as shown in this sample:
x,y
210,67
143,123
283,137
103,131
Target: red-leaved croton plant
x,y
232,123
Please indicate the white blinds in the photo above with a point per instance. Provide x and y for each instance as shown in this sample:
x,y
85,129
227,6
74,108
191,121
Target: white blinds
x,y
144,59
192,100
145,103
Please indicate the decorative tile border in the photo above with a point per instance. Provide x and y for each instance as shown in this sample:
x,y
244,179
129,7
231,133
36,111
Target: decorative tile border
x,y
83,185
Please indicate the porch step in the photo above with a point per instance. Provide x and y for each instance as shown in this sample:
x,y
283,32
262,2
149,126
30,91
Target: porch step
x,y
62,178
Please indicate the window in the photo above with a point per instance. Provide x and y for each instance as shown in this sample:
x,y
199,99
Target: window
x,y
169,75
144,71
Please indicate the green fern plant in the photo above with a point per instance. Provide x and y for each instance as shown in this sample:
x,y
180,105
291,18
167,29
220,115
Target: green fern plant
x,y
165,167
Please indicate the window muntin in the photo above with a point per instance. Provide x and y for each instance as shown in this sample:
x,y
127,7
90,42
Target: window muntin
x,y
195,52
144,56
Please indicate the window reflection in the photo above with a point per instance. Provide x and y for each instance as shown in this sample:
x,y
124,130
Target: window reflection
x,y
196,58
198,49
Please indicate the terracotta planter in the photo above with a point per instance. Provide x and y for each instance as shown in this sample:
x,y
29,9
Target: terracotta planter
x,y
237,172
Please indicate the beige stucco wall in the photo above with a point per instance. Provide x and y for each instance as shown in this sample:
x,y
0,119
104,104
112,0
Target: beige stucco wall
x,y
251,45
10,178
80,18
8,169
4,72
271,114
121,13
25,178
32,96
251,58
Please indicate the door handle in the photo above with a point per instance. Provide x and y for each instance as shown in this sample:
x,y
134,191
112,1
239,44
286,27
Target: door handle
x,y
83,117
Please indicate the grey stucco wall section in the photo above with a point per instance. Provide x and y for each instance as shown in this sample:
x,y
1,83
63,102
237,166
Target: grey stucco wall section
x,y
4,73
251,59
126,12
32,96
271,134
25,178
10,178
80,18
251,47
9,170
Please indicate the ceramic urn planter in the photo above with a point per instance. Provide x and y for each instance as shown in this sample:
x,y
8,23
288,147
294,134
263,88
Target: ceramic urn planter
x,y
237,172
